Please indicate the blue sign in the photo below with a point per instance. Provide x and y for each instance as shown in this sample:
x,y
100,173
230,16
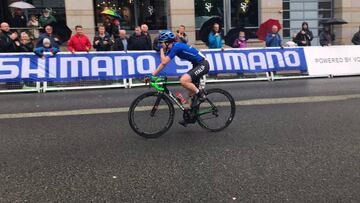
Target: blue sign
x,y
120,65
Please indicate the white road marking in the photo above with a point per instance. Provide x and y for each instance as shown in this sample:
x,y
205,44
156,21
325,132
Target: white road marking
x,y
250,102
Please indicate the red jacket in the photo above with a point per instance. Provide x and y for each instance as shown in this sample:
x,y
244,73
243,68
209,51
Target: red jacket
x,y
79,43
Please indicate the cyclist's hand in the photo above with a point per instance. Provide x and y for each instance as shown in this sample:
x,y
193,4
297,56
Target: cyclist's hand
x,y
158,47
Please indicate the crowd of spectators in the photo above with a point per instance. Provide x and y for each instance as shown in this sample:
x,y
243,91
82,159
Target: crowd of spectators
x,y
111,37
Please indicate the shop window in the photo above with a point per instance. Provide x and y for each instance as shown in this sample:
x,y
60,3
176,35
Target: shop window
x,y
244,13
206,9
134,12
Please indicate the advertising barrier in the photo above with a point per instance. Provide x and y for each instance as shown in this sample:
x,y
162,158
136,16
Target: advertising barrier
x,y
333,60
92,70
121,65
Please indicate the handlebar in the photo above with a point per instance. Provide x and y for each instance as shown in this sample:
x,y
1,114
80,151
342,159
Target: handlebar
x,y
157,82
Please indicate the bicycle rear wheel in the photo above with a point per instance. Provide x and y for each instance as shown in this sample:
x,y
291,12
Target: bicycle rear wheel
x,y
218,111
151,115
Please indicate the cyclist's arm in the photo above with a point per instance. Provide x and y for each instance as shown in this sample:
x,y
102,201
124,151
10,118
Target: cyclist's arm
x,y
164,61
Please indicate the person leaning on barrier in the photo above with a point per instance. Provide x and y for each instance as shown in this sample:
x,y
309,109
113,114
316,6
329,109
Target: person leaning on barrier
x,y
79,42
305,36
55,42
102,40
7,39
273,39
356,38
46,48
122,42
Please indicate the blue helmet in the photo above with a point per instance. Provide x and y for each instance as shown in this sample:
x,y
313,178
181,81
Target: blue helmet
x,y
166,36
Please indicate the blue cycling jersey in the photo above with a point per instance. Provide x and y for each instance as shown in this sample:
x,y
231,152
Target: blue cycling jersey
x,y
186,52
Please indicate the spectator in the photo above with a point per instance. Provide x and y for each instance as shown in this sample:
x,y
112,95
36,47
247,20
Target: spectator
x,y
156,45
241,41
33,24
25,44
325,37
273,39
7,39
9,43
121,43
116,28
55,42
356,39
145,31
79,41
108,26
215,40
138,41
102,40
46,18
46,48
305,36
181,36
18,19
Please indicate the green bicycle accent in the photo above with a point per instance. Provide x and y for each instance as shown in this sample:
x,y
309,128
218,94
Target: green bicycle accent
x,y
158,83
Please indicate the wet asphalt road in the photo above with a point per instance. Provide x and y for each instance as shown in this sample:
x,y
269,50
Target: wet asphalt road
x,y
303,152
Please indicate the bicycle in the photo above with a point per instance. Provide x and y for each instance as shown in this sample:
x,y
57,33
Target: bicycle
x,y
157,108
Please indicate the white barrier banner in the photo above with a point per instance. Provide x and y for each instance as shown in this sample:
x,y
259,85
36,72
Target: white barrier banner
x,y
333,60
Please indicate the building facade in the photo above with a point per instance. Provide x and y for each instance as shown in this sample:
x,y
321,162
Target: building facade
x,y
169,14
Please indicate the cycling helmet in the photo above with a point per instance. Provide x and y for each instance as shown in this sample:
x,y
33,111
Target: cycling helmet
x,y
166,36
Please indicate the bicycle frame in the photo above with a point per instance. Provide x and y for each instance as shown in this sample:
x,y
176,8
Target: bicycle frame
x,y
160,85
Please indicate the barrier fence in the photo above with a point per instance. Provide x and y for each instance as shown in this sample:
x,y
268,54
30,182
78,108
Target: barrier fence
x,y
25,72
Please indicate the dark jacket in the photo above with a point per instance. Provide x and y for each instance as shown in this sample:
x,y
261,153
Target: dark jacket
x,y
307,37
326,38
18,21
356,39
52,40
102,40
6,43
28,47
119,45
183,39
139,42
115,31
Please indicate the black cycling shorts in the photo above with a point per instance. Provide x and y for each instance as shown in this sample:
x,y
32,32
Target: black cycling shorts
x,y
199,70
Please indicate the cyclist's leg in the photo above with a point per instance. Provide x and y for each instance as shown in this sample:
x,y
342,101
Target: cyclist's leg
x,y
186,82
193,77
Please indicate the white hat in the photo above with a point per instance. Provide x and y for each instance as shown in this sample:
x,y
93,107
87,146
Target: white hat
x,y
46,41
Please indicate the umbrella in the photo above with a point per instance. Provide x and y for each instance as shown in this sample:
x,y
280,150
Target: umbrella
x,y
232,35
266,28
21,5
335,21
62,31
111,13
207,27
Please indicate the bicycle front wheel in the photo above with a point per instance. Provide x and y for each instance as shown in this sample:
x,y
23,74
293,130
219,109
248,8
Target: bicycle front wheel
x,y
217,111
151,115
